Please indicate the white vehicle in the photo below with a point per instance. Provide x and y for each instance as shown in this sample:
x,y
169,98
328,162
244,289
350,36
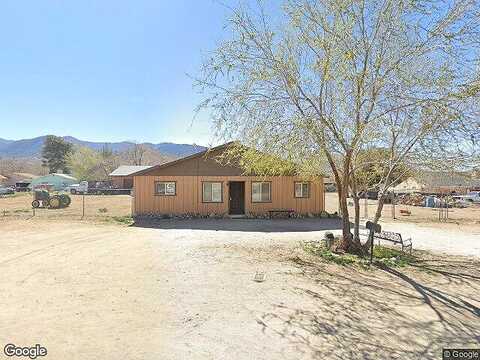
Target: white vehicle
x,y
472,197
6,190
81,188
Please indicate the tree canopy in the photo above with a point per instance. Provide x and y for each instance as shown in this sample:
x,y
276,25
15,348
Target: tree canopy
x,y
55,152
331,80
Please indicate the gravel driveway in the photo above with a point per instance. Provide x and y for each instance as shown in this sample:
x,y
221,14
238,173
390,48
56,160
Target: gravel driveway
x,y
184,290
447,238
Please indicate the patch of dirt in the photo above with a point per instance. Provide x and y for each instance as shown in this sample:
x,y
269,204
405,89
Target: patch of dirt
x,y
20,205
86,290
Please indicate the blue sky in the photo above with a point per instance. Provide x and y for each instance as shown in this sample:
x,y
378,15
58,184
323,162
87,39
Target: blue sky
x,y
105,70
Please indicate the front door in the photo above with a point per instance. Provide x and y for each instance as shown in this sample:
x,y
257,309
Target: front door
x,y
237,197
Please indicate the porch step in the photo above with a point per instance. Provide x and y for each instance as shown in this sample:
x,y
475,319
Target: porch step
x,y
242,216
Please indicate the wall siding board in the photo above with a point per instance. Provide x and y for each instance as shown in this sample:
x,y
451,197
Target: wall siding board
x,y
188,198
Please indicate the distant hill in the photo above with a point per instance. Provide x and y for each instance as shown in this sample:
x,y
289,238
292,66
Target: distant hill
x,y
4,142
32,148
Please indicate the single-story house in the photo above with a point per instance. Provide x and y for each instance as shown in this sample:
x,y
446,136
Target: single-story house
x,y
430,182
58,181
199,184
122,177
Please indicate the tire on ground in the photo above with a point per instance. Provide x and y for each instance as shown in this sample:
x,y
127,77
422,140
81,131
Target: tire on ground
x,y
55,202
65,200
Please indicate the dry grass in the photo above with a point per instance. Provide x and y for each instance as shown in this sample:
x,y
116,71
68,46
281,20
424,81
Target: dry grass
x,y
96,206
101,206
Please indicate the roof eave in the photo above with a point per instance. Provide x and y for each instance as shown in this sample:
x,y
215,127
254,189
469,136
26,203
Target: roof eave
x,y
193,156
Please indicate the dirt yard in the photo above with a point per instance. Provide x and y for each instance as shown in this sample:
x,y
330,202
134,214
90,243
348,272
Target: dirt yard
x,y
418,214
121,205
96,206
182,291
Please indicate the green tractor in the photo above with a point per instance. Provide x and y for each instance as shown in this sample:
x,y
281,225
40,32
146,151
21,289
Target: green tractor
x,y
43,199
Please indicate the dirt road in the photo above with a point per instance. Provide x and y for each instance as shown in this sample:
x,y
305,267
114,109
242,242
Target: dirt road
x,y
90,291
445,238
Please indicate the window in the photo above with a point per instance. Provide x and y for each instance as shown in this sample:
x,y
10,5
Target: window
x,y
302,189
212,192
166,188
261,192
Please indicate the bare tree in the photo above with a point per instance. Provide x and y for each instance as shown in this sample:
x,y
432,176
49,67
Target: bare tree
x,y
322,78
9,166
136,154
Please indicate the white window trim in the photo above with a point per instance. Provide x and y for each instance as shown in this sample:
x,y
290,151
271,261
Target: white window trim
x,y
302,196
269,191
166,185
211,183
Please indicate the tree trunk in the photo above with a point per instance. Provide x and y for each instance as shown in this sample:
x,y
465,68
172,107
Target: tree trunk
x,y
378,212
347,235
343,207
356,226
378,215
356,202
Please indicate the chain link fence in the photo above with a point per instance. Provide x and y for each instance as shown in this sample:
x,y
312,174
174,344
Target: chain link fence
x,y
119,207
408,213
81,207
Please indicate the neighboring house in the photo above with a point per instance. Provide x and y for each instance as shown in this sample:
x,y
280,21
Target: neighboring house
x,y
58,181
438,183
122,177
199,184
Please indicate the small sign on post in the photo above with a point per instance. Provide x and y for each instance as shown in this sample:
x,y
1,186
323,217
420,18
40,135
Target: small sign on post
x,y
373,228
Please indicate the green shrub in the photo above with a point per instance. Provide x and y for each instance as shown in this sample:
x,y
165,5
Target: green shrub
x,y
126,220
381,254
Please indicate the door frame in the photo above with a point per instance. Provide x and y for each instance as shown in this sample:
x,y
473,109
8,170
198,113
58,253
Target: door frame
x,y
242,201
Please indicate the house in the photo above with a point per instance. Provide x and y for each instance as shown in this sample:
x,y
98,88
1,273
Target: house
x,y
199,184
438,183
122,177
57,181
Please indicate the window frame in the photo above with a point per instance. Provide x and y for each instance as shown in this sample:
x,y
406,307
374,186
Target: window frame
x,y
165,182
261,201
221,192
303,196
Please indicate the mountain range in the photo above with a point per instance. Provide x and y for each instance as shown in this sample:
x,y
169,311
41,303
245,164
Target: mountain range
x,y
32,148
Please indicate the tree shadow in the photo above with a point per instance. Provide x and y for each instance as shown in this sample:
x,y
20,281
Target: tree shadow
x,y
382,313
243,225
430,295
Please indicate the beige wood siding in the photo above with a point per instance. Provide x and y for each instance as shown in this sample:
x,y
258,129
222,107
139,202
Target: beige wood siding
x,y
188,198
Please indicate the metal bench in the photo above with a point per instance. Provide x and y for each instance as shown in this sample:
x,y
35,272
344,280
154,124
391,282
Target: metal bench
x,y
288,212
395,238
